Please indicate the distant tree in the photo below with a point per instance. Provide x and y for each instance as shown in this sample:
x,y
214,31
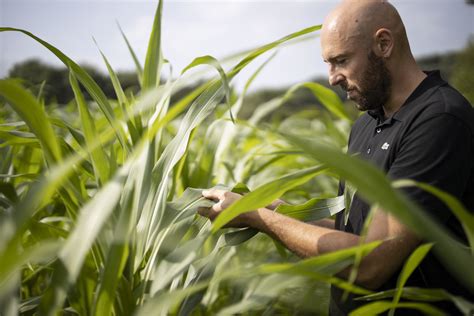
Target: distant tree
x,y
55,80
463,74
34,74
442,62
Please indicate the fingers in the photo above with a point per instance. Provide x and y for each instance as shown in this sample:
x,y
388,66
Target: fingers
x,y
204,211
223,200
214,194
210,212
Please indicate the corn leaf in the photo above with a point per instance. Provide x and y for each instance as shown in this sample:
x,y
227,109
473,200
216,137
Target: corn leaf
x,y
463,215
98,155
423,294
209,60
314,209
410,265
154,58
122,98
25,104
265,194
382,306
86,80
138,66
326,96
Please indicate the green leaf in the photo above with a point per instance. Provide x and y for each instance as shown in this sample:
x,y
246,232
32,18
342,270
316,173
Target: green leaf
x,y
209,60
265,194
259,51
25,104
410,265
154,58
265,109
423,294
13,261
329,263
138,66
382,306
326,96
374,187
264,291
122,99
173,152
117,255
464,216
176,263
91,219
86,80
98,155
314,209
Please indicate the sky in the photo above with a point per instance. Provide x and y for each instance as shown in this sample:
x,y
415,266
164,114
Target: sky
x,y
219,28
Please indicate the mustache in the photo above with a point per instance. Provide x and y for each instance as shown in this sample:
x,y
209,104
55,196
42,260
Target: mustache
x,y
345,86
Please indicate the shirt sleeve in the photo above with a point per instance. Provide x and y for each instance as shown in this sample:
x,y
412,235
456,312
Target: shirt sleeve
x,y
436,150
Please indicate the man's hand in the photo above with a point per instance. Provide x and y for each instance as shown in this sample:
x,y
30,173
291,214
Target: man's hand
x,y
223,200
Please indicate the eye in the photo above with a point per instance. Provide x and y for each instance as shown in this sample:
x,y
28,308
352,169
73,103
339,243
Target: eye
x,y
341,61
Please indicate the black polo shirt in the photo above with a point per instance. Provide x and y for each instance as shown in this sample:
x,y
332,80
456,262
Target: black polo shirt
x,y
430,139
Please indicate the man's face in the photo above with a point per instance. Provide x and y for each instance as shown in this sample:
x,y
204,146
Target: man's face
x,y
372,89
361,73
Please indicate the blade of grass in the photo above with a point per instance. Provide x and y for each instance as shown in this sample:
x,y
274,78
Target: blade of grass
x,y
98,156
463,215
154,58
25,104
410,265
86,80
382,306
265,194
259,51
326,96
423,294
138,66
209,60
122,98
314,209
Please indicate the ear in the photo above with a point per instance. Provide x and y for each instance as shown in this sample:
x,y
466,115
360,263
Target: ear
x,y
383,43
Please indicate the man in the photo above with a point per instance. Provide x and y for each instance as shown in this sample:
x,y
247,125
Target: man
x,y
415,126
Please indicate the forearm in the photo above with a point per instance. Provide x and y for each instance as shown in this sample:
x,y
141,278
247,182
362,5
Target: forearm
x,y
303,239
307,240
375,269
325,222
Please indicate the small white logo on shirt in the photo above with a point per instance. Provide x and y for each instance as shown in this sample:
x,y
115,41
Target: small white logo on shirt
x,y
385,146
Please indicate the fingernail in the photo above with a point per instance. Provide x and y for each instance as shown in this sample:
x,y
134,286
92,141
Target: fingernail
x,y
205,192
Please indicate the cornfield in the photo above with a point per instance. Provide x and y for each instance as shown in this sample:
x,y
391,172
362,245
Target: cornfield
x,y
98,199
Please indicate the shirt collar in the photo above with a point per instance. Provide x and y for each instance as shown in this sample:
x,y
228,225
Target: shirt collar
x,y
432,79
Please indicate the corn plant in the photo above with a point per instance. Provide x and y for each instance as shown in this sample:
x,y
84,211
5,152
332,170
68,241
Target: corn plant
x,y
98,207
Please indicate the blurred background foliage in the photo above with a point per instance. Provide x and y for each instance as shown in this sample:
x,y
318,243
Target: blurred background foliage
x,y
456,67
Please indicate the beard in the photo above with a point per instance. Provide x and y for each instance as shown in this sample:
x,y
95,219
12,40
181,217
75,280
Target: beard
x,y
374,86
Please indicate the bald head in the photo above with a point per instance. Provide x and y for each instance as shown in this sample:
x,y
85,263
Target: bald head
x,y
360,20
366,48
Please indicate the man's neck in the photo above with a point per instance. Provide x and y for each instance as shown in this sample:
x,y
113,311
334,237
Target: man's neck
x,y
404,82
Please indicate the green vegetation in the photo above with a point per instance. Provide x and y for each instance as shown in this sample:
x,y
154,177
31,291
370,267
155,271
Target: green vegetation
x,y
98,198
463,77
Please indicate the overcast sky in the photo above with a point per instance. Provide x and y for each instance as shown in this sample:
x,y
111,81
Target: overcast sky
x,y
217,28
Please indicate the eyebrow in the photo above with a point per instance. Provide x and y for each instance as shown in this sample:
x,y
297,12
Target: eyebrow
x,y
334,58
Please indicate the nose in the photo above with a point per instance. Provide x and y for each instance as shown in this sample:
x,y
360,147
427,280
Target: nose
x,y
335,77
